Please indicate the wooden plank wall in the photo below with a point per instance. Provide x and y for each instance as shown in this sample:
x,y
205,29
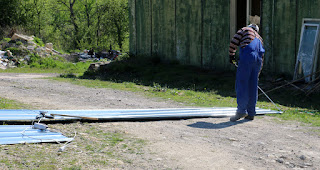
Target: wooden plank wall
x,y
193,32
197,32
281,28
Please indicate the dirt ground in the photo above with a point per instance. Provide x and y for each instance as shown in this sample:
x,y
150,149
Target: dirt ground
x,y
211,143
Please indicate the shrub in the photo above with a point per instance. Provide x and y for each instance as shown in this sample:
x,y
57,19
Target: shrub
x,y
19,43
14,50
55,62
6,40
38,41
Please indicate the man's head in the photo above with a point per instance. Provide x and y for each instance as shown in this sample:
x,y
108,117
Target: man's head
x,y
254,26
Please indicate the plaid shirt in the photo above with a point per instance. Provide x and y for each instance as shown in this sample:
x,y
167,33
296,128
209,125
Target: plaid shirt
x,y
242,38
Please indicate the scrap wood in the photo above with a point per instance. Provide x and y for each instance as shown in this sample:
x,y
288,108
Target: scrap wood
x,y
295,86
82,117
313,89
291,82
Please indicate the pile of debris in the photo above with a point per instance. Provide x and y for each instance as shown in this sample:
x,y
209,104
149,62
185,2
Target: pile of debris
x,y
19,49
90,54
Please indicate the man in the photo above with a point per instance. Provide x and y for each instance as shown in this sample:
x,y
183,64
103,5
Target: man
x,y
249,66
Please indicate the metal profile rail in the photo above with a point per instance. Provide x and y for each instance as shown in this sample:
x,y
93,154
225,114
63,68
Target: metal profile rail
x,y
125,114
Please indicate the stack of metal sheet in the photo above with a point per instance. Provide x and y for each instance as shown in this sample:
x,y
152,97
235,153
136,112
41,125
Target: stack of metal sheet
x,y
20,134
125,114
15,134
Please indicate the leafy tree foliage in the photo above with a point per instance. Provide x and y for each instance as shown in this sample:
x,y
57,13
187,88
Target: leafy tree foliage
x,y
9,15
70,24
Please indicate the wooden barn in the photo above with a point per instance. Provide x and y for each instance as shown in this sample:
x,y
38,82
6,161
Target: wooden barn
x,y
198,32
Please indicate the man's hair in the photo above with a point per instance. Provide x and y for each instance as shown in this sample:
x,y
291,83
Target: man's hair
x,y
254,26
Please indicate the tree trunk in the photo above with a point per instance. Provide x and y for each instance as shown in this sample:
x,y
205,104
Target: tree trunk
x,y
70,6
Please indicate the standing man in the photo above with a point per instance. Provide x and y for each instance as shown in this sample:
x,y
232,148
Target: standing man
x,y
249,66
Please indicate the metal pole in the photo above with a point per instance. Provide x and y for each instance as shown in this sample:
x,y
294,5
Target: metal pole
x,y
269,98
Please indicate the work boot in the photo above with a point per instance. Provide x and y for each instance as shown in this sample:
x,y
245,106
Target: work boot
x,y
249,117
237,116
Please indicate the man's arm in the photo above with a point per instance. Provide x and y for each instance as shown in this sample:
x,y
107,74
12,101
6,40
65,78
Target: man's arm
x,y
235,42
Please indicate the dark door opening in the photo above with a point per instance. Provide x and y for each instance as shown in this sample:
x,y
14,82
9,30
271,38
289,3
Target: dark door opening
x,y
241,13
244,12
247,11
255,8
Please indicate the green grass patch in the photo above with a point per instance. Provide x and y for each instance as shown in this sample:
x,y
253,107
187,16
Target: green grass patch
x,y
307,116
38,41
54,64
11,104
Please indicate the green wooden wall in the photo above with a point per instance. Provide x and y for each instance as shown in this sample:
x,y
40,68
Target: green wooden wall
x,y
190,31
311,10
163,28
216,34
197,32
281,28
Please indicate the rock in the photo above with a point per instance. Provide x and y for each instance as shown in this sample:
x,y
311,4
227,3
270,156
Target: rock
x,y
50,46
2,67
9,53
2,53
302,157
305,165
233,139
38,50
283,157
159,159
21,37
290,165
280,160
96,66
271,156
31,47
48,50
308,164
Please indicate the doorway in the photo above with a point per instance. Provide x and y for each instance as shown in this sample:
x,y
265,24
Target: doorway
x,y
244,12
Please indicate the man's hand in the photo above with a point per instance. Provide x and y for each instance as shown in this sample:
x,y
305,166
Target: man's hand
x,y
232,60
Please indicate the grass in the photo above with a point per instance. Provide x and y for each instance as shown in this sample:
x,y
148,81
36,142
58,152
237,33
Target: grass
x,y
54,64
11,104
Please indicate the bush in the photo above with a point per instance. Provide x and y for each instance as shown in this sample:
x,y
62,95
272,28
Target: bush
x,y
56,62
34,58
38,41
18,43
14,50
6,40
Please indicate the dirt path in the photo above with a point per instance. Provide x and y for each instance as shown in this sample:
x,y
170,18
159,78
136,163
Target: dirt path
x,y
213,143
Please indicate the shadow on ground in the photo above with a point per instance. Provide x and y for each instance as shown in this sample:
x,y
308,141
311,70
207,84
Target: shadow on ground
x,y
222,125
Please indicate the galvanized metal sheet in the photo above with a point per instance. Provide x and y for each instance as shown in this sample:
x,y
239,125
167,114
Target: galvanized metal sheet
x,y
125,114
19,134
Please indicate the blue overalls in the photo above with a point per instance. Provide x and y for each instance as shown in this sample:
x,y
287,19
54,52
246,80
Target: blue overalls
x,y
249,65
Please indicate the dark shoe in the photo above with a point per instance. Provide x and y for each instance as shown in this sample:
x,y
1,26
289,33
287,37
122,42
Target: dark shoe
x,y
249,117
237,116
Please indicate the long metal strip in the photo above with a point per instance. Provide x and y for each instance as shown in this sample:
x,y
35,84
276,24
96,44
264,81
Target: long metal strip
x,y
118,114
